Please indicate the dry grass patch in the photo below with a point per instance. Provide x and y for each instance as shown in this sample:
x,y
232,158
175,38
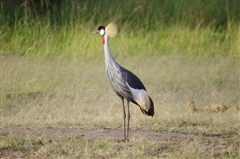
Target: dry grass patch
x,y
75,93
187,146
68,94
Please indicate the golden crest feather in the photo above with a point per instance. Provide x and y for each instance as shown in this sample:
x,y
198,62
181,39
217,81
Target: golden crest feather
x,y
111,30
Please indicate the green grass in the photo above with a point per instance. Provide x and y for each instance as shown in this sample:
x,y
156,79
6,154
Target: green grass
x,y
150,28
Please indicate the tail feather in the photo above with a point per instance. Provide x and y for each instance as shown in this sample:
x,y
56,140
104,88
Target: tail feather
x,y
150,112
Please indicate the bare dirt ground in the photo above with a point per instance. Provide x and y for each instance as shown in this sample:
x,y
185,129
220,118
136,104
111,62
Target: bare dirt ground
x,y
96,134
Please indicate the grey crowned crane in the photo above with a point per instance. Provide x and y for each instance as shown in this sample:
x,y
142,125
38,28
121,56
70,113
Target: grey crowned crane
x,y
125,84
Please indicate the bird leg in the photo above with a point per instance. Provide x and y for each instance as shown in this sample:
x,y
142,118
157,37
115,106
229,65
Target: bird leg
x,y
128,120
124,118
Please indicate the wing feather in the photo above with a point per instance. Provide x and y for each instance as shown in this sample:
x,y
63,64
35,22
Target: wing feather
x,y
132,80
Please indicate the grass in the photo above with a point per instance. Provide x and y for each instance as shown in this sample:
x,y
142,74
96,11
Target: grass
x,y
52,76
75,147
156,28
75,94
79,84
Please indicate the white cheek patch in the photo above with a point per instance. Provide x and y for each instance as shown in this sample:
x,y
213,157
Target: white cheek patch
x,y
141,97
102,32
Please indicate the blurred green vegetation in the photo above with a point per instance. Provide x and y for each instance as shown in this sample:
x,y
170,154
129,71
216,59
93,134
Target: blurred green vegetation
x,y
51,27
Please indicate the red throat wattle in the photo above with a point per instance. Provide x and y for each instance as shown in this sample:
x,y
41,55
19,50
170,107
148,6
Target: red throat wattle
x,y
103,41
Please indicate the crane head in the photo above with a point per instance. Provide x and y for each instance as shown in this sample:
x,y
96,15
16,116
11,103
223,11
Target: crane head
x,y
101,30
111,30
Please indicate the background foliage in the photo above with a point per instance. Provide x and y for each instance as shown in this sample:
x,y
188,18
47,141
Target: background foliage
x,y
50,27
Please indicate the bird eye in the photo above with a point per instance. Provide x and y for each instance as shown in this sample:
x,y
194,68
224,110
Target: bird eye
x,y
102,32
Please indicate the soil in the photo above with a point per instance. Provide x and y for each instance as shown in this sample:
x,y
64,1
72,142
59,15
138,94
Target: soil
x,y
95,134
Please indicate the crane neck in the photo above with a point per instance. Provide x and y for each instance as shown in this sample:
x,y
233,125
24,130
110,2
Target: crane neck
x,y
107,52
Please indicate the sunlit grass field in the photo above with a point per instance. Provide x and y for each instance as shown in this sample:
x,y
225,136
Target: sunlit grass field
x,y
52,77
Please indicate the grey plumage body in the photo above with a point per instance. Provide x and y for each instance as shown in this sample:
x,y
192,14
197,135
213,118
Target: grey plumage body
x,y
118,76
126,84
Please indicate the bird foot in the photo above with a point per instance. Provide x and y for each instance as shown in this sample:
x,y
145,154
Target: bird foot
x,y
125,140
